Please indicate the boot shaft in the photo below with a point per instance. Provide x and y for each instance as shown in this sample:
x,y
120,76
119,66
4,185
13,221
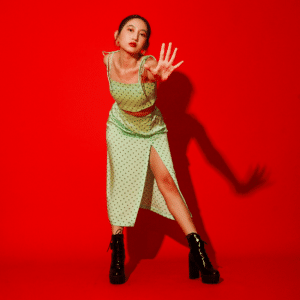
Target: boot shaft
x,y
116,272
197,250
195,241
117,242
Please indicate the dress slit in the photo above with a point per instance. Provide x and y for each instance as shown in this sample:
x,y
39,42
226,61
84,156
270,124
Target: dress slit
x,y
154,195
130,181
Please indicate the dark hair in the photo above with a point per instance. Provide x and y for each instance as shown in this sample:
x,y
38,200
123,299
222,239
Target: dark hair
x,y
124,21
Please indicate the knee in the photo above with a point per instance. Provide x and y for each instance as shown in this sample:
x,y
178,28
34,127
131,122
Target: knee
x,y
167,184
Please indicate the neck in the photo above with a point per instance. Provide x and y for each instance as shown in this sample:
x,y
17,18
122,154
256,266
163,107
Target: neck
x,y
128,60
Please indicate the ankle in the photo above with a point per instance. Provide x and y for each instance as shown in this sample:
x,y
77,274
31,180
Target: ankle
x,y
119,231
194,233
191,232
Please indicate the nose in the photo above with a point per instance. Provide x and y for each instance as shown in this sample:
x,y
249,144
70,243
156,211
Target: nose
x,y
136,36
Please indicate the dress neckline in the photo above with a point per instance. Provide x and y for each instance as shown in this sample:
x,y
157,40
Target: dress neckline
x,y
123,82
135,83
130,83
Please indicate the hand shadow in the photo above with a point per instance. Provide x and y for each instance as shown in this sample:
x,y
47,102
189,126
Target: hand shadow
x,y
145,238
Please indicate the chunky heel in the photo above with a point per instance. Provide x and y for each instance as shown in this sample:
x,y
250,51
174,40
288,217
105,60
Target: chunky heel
x,y
193,269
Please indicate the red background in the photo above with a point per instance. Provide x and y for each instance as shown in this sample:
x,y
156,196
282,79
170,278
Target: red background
x,y
233,105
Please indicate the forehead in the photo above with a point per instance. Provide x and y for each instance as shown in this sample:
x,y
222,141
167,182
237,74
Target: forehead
x,y
138,23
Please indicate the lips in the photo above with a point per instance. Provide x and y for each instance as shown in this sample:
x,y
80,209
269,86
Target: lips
x,y
132,44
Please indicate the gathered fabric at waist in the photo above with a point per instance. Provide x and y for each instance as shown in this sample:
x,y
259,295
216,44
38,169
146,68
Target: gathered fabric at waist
x,y
141,113
138,126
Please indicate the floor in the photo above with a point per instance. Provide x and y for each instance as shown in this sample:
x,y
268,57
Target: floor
x,y
242,278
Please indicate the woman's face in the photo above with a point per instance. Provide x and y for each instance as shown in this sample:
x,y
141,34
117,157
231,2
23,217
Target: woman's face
x,y
133,36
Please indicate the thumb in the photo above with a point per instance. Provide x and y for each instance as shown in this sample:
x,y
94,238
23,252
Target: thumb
x,y
149,68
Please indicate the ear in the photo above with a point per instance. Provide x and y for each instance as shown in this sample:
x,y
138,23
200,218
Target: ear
x,y
116,34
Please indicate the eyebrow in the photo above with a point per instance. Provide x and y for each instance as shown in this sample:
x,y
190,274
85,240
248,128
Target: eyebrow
x,y
135,27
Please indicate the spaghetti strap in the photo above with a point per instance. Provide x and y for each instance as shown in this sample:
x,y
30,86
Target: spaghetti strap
x,y
109,60
141,68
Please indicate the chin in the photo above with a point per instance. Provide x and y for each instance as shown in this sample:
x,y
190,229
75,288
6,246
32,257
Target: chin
x,y
133,51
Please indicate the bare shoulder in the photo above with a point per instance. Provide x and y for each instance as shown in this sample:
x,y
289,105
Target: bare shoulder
x,y
105,59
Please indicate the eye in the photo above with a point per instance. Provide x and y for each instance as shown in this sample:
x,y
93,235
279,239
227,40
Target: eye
x,y
130,29
143,35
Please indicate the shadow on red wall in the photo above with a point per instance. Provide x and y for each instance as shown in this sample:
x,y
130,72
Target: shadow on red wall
x,y
145,238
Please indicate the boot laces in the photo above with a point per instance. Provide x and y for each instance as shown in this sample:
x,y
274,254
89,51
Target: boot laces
x,y
202,252
198,240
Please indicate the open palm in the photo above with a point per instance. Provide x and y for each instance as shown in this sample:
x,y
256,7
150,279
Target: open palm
x,y
164,67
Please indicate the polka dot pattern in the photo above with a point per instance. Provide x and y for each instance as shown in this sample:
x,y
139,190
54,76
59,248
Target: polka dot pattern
x,y
130,182
132,97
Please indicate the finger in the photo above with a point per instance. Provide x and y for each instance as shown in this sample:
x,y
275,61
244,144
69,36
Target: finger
x,y
179,64
162,52
173,56
168,52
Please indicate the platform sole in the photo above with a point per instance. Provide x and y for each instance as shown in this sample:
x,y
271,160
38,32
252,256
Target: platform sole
x,y
117,279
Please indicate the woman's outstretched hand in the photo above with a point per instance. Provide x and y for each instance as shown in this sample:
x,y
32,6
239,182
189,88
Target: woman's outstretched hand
x,y
164,68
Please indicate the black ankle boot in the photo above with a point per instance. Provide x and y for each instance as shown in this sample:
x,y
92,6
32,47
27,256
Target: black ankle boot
x,y
116,272
198,261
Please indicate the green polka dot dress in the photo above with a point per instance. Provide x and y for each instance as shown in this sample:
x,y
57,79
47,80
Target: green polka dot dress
x,y
130,182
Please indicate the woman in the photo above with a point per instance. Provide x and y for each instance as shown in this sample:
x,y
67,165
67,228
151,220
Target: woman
x,y
140,171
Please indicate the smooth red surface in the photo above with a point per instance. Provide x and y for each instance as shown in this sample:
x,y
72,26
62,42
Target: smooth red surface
x,y
233,105
254,278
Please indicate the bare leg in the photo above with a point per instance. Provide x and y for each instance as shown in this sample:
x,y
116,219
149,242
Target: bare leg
x,y
170,192
117,229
